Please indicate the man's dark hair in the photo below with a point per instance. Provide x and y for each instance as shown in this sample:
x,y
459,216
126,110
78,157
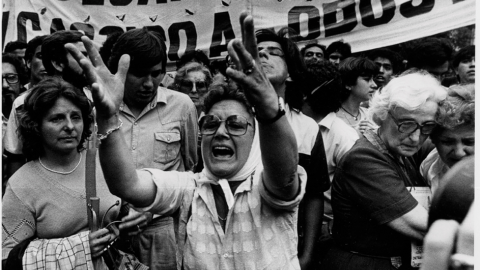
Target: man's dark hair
x,y
352,68
296,66
324,82
53,48
106,49
14,45
310,45
32,46
341,47
193,56
430,52
466,53
146,49
19,67
395,58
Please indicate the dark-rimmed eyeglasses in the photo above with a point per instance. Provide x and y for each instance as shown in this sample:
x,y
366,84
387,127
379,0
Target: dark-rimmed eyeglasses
x,y
410,126
235,125
11,78
272,51
200,86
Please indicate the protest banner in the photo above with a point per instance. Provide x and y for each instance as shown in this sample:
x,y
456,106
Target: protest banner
x,y
209,25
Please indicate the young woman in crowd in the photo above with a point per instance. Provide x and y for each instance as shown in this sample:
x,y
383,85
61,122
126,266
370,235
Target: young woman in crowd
x,y
454,136
193,79
240,212
45,198
357,75
376,217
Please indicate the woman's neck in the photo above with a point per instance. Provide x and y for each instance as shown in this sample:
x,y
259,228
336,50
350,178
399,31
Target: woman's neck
x,y
351,105
65,161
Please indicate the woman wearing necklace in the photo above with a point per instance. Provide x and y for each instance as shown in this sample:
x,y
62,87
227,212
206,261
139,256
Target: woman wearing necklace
x,y
46,199
358,86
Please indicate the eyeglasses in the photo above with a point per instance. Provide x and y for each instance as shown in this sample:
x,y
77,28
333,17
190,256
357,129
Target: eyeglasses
x,y
236,125
272,51
311,54
11,78
200,86
411,126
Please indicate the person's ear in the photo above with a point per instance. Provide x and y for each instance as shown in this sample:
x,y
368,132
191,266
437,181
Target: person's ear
x,y
27,63
58,66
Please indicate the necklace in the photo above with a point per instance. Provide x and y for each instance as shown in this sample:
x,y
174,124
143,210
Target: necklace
x,y
64,173
354,117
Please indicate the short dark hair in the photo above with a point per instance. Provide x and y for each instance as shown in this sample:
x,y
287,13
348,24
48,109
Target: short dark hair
x,y
39,102
146,49
352,68
465,53
323,95
19,67
222,91
53,48
430,52
14,45
395,58
32,46
193,56
295,64
310,45
341,47
106,49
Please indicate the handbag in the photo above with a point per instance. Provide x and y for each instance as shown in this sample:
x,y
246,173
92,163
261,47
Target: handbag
x,y
114,257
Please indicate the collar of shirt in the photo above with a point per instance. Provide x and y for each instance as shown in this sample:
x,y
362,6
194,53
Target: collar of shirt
x,y
160,97
327,121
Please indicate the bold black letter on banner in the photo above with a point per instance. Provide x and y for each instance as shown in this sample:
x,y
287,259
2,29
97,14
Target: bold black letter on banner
x,y
92,2
22,24
333,28
366,10
109,30
4,26
57,25
313,21
144,2
190,32
408,10
223,25
120,2
87,28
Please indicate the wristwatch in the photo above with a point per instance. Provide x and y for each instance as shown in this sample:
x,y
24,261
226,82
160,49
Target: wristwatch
x,y
280,113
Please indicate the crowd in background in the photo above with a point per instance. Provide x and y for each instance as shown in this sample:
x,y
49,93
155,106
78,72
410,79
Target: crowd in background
x,y
198,166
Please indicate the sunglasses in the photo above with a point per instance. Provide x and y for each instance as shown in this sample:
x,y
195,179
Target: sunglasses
x,y
235,125
11,78
411,126
200,86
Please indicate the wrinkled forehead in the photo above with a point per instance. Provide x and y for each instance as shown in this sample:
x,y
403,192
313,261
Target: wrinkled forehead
x,y
314,49
228,107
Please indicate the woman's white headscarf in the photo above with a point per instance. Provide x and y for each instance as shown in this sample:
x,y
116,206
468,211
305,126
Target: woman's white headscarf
x,y
253,161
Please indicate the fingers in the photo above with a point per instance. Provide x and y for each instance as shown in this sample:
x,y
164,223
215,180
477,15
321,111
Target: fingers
x,y
249,39
439,244
92,51
123,65
238,53
465,238
99,240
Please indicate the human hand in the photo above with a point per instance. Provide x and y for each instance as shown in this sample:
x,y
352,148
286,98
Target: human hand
x,y
248,70
364,125
99,241
134,222
440,243
107,88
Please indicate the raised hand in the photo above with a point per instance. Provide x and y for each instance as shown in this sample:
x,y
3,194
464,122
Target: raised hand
x,y
107,88
248,72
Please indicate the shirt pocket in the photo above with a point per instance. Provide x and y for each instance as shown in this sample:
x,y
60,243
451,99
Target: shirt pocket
x,y
166,147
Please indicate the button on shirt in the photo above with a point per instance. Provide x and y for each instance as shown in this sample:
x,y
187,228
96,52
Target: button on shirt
x,y
164,135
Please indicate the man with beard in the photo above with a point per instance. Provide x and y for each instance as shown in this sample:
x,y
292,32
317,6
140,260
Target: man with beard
x,y
46,56
160,128
389,64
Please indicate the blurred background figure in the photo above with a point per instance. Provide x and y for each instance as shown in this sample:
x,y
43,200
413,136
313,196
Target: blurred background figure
x,y
17,48
432,55
464,64
313,52
33,58
13,78
454,136
389,64
193,79
338,51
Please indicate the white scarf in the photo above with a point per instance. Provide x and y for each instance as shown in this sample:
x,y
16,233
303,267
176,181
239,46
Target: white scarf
x,y
254,159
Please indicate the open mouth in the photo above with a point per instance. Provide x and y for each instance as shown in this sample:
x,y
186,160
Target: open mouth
x,y
222,152
380,78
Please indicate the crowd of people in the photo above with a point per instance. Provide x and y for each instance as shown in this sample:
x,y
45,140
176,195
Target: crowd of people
x,y
272,158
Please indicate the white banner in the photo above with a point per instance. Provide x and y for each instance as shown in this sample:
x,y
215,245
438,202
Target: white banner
x,y
208,25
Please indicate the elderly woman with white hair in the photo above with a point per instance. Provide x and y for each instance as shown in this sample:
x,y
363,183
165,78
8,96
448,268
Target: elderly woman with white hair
x,y
376,217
